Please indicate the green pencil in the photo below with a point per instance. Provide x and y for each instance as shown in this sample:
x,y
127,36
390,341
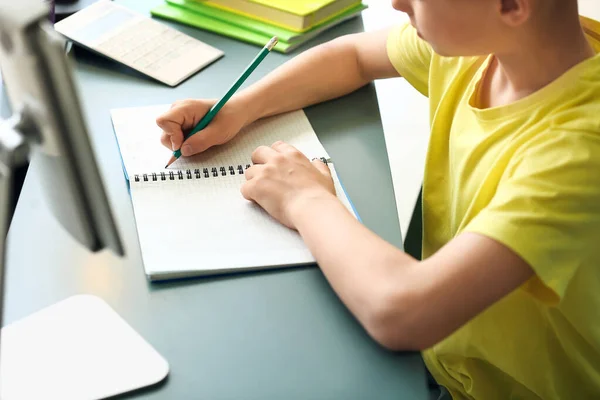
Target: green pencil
x,y
215,109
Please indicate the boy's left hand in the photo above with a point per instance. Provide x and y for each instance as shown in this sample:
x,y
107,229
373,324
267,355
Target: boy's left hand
x,y
282,180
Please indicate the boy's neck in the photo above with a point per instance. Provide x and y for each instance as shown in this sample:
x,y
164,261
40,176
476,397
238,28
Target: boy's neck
x,y
535,63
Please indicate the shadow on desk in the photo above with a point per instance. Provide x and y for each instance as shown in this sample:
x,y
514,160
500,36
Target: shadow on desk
x,y
95,60
226,276
414,236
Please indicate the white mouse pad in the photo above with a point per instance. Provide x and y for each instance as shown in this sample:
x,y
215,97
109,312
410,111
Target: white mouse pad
x,y
79,348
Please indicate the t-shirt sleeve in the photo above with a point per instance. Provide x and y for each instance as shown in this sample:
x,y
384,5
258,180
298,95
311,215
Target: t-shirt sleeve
x,y
547,210
411,56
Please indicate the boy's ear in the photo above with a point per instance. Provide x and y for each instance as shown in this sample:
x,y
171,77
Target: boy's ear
x,y
515,12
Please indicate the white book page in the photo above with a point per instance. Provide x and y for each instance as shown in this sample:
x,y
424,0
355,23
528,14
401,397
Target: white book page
x,y
198,224
141,150
204,226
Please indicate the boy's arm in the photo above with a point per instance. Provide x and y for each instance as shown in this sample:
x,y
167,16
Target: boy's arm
x,y
325,72
403,303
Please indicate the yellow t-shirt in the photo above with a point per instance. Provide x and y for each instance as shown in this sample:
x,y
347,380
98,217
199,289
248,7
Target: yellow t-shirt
x,y
527,175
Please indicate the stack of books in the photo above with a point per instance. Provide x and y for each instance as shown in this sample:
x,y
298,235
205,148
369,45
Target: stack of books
x,y
255,21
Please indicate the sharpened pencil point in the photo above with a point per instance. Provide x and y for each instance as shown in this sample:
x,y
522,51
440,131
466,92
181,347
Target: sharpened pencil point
x,y
171,161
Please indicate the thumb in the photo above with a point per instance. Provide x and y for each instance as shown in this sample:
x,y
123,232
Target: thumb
x,y
201,141
322,167
182,116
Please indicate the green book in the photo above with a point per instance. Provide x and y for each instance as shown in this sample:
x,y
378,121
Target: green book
x,y
263,27
240,27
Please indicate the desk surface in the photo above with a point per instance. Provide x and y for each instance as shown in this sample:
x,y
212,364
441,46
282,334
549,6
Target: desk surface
x,y
268,335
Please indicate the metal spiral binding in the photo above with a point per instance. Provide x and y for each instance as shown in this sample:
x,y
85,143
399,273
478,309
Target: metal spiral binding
x,y
324,160
190,174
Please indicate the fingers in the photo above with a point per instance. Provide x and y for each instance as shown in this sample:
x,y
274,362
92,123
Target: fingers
x,y
182,116
204,139
281,150
289,150
283,147
253,171
286,148
322,167
172,135
165,140
264,154
171,123
248,188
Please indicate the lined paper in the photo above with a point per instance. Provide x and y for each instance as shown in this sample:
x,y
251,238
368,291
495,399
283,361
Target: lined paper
x,y
192,229
203,225
139,141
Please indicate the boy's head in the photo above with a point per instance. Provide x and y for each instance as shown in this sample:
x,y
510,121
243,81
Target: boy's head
x,y
479,27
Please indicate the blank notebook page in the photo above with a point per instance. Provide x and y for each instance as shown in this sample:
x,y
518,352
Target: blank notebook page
x,y
202,226
142,152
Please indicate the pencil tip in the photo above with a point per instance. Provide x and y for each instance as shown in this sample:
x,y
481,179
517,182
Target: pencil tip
x,y
171,161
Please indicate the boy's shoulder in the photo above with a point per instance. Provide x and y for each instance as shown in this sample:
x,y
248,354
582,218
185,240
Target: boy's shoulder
x,y
578,104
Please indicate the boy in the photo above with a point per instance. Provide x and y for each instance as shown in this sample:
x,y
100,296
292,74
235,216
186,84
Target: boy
x,y
505,303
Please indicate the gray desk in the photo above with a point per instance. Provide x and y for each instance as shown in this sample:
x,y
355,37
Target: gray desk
x,y
270,335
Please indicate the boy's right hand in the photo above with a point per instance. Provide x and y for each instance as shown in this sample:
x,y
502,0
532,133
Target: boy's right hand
x,y
185,114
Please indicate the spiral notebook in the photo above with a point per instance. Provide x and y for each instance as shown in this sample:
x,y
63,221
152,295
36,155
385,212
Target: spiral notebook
x,y
191,218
